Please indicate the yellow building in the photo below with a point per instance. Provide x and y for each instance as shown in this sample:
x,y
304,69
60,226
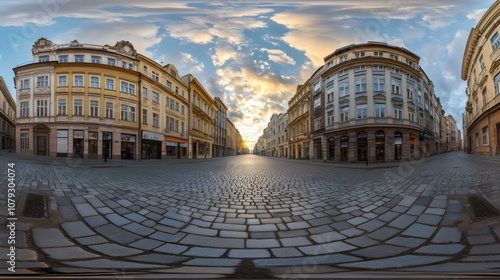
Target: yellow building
x,y
481,70
7,118
298,123
202,114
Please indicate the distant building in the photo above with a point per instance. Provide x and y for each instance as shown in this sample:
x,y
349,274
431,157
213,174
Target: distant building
x,y
7,118
481,70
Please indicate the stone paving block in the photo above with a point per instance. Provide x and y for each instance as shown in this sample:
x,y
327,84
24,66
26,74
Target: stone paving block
x,y
68,253
298,225
416,210
352,232
114,250
301,261
447,235
216,242
95,221
146,244
441,249
295,241
138,229
213,262
409,242
407,201
233,234
403,221
480,230
205,252
320,221
326,248
320,229
85,209
383,233
172,223
50,237
77,229
286,252
124,202
170,248
109,264
231,227
267,227
117,219
327,237
371,225
420,231
396,262
249,253
124,237
388,216
91,240
361,241
262,243
434,211
356,221
429,219
135,217
157,258
380,251
490,249
292,233
167,237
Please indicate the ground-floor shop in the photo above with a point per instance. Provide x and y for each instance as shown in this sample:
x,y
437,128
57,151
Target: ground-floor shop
x,y
151,145
176,148
200,148
300,149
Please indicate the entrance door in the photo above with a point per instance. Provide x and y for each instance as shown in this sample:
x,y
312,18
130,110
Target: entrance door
x,y
41,147
106,149
332,151
195,151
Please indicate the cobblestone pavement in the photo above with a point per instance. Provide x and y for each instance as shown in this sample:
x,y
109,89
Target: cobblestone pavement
x,y
252,215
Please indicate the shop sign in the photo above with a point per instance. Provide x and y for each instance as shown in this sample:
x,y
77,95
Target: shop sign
x,y
152,136
169,143
379,135
93,135
78,134
344,141
128,138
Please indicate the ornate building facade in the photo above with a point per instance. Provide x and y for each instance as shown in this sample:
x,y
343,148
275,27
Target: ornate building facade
x,y
7,118
481,70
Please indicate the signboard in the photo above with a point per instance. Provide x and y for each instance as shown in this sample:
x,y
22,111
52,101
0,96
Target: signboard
x,y
398,138
128,138
331,139
92,135
169,143
152,136
380,135
78,134
344,141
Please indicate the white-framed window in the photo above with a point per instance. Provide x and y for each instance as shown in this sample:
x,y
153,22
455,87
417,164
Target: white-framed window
x,y
110,84
330,118
330,64
419,97
359,54
317,86
144,116
155,76
78,80
411,115
398,113
409,62
409,91
172,103
155,120
63,59
43,58
378,84
94,82
127,87
94,108
360,85
495,41
395,70
111,61
42,108
378,68
127,113
61,107
343,72
169,85
359,68
394,56
379,110
145,70
96,59
396,86
329,94
145,92
183,110
317,102
481,62
362,111
344,113
155,97
343,89
317,124
485,97
25,109
25,140
343,58
79,58
177,108
62,80
182,127
25,83
485,136
78,107
109,110
124,64
378,54
329,79
42,81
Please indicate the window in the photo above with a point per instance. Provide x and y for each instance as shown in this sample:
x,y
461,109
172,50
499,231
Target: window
x,y
182,127
379,110
111,61
172,102
497,84
343,72
61,107
94,82
155,76
344,89
343,58
110,84
156,97
329,64
329,94
409,91
485,136
395,57
144,92
78,107
396,85
344,114
419,98
485,98
378,68
398,113
124,64
127,113
359,54
145,70
79,58
362,111
360,85
409,62
378,84
127,87
94,108
329,79
63,58
155,120
25,107
495,41
78,81
395,70
481,62
169,85
477,105
144,116
25,141
317,86
96,59
329,119
177,107
109,110
25,84
359,68
130,67
176,90
183,110
42,81
411,115
62,81
317,123
42,107
317,102
43,58
378,54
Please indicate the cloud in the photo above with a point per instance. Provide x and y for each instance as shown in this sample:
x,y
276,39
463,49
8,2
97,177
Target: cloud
x,y
223,52
184,62
278,56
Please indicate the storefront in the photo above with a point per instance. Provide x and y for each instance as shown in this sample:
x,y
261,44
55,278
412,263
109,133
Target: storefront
x,y
151,145
62,143
362,146
344,148
398,145
93,143
127,146
107,145
176,147
331,148
380,145
78,148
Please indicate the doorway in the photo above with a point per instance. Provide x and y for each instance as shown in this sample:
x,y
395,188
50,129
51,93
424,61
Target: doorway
x,y
41,145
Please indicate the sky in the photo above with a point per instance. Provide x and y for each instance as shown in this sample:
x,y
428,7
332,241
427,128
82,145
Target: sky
x,y
251,54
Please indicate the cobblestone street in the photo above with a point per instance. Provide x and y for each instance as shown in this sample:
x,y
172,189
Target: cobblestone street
x,y
253,215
